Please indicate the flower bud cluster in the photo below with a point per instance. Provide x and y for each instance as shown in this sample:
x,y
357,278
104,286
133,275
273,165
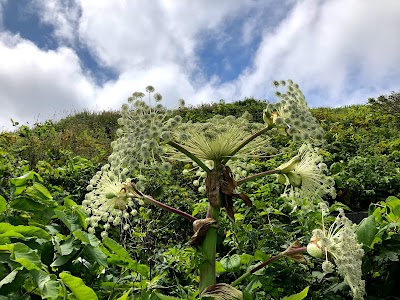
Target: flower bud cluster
x,y
144,131
304,178
292,113
110,201
340,243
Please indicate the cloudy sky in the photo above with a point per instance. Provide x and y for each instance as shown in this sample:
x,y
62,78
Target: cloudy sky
x,y
62,56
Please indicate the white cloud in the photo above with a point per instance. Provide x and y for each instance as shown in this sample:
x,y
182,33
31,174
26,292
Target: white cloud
x,y
339,51
36,84
331,46
62,15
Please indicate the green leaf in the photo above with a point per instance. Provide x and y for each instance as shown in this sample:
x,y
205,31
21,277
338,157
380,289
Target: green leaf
x,y
40,193
122,254
219,268
78,287
48,284
9,278
3,204
165,297
298,296
26,231
125,296
231,263
248,291
86,238
71,221
27,257
366,231
258,255
95,254
117,249
62,260
22,180
26,204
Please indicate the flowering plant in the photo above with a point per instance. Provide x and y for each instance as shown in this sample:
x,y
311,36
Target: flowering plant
x,y
151,140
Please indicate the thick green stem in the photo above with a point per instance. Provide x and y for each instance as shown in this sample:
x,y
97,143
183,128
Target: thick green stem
x,y
180,148
267,262
244,143
258,175
209,248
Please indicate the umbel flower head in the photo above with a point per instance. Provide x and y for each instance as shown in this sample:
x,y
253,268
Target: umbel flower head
x,y
292,114
144,131
110,200
216,139
340,244
304,176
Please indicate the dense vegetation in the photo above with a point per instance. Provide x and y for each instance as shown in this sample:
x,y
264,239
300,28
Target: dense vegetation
x,y
44,243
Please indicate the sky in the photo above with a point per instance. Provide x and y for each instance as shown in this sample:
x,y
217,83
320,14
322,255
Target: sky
x,y
58,57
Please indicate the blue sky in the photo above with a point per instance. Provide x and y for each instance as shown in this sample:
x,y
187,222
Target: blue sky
x,y
61,56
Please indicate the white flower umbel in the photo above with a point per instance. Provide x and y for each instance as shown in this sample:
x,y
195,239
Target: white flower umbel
x,y
292,114
218,138
304,176
109,201
340,244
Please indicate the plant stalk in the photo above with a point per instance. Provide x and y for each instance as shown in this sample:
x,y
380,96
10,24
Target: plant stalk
x,y
180,148
209,249
244,143
267,262
168,208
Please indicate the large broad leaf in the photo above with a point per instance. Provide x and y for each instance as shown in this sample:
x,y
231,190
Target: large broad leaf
x,y
3,204
27,257
71,221
40,193
231,263
27,204
86,238
298,296
9,278
77,211
22,180
48,285
94,254
123,255
366,231
78,287
26,231
62,260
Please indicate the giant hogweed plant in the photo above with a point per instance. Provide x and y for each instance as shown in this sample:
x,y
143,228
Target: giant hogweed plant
x,y
219,152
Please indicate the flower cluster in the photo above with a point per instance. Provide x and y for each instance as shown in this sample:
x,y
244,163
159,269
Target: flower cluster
x,y
110,200
216,139
144,131
304,178
292,114
340,244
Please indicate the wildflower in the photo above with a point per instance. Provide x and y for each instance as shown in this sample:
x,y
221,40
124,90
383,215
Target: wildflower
x,y
292,114
218,138
109,200
304,175
340,244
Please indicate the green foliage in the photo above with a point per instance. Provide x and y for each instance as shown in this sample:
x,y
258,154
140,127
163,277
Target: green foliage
x,y
45,251
387,105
